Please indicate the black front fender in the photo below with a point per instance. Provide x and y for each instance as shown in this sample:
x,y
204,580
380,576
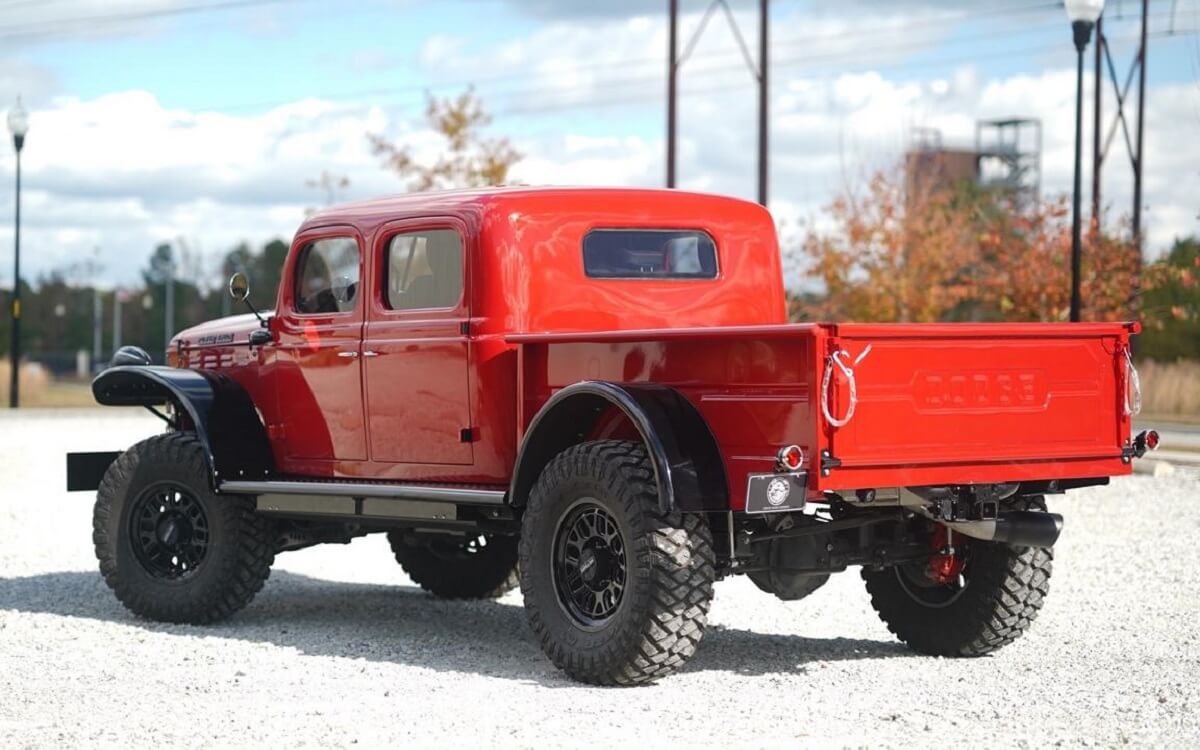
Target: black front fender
x,y
688,469
218,410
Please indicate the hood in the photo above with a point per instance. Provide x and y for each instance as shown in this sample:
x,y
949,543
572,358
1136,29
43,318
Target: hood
x,y
235,329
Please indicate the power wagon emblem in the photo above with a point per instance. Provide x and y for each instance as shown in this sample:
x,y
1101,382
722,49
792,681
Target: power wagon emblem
x,y
778,491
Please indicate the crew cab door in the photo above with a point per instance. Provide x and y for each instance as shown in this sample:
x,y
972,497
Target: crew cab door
x,y
416,351
318,368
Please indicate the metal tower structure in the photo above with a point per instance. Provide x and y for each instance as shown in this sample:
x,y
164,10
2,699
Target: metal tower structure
x,y
1010,156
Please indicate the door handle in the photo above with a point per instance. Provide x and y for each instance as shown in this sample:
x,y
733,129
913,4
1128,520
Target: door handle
x,y
348,355
370,353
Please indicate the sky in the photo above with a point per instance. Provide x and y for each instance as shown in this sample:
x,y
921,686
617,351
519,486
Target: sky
x,y
202,122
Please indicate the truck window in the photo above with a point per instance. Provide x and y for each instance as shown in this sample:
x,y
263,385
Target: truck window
x,y
649,254
424,269
327,276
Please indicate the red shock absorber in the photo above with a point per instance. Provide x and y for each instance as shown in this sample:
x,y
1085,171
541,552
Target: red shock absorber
x,y
945,564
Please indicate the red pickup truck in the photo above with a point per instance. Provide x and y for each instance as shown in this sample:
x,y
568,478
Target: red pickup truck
x,y
595,394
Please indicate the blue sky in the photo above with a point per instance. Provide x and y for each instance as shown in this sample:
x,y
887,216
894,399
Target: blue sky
x,y
204,125
245,61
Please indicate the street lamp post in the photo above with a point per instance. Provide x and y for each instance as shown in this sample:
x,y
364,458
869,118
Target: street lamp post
x,y
18,125
1083,15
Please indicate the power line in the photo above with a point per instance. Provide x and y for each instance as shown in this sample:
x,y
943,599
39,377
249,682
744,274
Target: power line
x,y
50,28
654,95
853,58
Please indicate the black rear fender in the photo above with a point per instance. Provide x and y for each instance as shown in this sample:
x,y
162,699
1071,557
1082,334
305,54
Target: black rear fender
x,y
688,468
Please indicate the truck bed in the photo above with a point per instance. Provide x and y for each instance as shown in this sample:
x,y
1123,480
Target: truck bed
x,y
934,403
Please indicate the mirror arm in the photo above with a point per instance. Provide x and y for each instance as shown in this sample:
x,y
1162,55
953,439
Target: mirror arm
x,y
261,320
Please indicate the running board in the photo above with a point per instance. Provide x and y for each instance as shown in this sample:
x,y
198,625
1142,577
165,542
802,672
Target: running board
x,y
434,494
349,500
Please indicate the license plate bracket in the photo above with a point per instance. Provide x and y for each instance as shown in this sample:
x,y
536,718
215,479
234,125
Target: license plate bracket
x,y
776,493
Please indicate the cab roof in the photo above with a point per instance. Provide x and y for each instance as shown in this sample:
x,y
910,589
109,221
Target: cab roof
x,y
471,200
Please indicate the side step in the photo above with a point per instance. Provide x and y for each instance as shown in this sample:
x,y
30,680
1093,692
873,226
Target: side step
x,y
368,501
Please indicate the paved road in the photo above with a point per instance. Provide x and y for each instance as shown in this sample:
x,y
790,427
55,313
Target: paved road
x,y
340,648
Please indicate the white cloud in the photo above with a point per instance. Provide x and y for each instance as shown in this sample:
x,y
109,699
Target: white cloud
x,y
123,172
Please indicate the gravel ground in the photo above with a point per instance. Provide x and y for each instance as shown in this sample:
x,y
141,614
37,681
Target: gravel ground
x,y
340,648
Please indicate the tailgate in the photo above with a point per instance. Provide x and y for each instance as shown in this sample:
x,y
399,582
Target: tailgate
x,y
970,403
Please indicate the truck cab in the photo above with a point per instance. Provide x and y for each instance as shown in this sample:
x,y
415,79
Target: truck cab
x,y
389,357
596,393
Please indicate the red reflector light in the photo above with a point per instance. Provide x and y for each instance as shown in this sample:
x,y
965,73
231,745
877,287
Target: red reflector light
x,y
790,457
1152,440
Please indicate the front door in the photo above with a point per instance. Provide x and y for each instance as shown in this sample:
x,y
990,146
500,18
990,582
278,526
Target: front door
x,y
416,352
319,376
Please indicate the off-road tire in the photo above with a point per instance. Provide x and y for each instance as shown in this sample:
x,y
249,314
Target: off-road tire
x,y
240,547
1006,588
448,570
663,611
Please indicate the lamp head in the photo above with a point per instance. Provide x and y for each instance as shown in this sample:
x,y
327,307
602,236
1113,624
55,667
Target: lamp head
x,y
1085,11
18,123
1083,15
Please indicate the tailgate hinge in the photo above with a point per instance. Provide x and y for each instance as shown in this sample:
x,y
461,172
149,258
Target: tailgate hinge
x,y
828,462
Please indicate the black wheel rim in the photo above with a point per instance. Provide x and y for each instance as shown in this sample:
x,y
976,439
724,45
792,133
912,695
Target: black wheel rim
x,y
169,532
589,564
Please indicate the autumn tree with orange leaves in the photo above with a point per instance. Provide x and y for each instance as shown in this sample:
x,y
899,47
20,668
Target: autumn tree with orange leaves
x,y
901,251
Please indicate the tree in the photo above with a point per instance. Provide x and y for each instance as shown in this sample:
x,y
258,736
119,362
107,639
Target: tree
x,y
1171,304
329,184
470,158
900,251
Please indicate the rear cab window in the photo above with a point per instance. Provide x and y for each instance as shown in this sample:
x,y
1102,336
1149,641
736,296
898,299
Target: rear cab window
x,y
649,254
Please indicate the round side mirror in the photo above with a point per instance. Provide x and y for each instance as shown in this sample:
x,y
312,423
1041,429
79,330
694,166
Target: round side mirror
x,y
239,286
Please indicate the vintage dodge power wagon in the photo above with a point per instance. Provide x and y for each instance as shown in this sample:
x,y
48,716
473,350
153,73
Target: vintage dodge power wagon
x,y
596,394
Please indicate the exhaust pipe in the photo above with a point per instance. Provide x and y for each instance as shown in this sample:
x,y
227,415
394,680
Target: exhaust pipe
x,y
1019,528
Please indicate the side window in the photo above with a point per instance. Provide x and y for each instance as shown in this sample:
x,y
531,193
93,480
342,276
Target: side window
x,y
327,276
424,270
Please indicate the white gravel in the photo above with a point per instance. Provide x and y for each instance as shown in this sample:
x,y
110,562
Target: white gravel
x,y
341,649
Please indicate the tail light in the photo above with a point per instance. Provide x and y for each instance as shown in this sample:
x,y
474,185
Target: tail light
x,y
789,458
1147,440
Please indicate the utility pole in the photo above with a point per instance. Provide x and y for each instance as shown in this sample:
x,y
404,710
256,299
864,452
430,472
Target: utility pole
x,y
97,313
1098,86
1141,115
169,324
1134,142
763,100
97,331
675,61
118,300
672,91
1138,169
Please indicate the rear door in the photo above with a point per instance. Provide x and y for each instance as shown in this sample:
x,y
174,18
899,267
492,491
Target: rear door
x,y
416,350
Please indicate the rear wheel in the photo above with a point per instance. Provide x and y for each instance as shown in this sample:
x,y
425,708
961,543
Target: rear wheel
x,y
483,566
971,603
168,546
616,591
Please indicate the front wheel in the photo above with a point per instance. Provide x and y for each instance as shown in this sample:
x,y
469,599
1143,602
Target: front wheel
x,y
169,547
616,591
971,603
